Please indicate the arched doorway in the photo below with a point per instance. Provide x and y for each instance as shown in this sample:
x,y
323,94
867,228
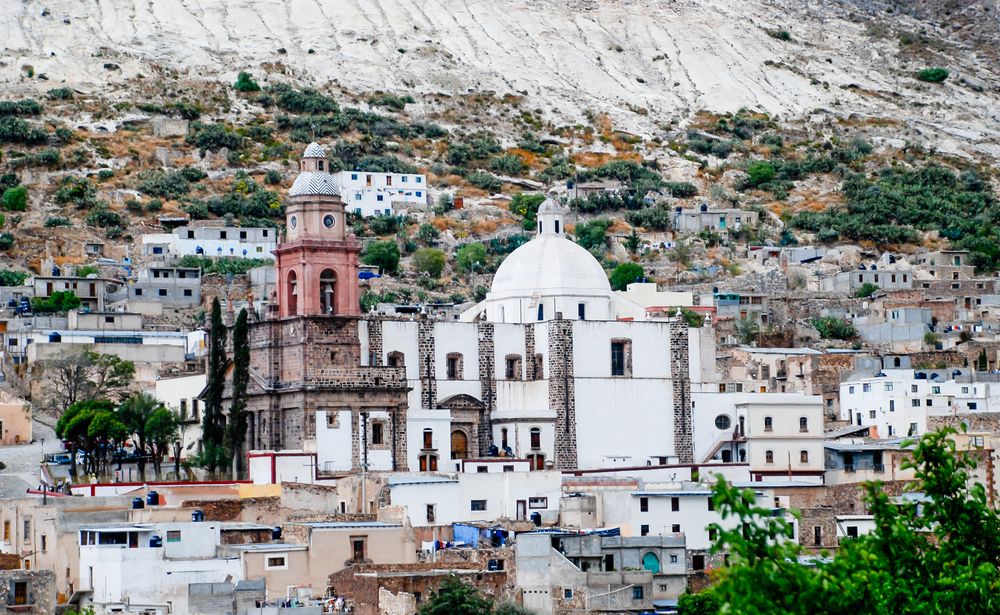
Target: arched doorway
x,y
459,445
651,563
292,282
536,461
327,289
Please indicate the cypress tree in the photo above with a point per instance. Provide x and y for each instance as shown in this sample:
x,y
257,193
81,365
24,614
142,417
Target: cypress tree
x,y
213,423
237,428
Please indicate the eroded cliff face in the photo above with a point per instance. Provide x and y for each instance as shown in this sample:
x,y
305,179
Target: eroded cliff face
x,y
642,62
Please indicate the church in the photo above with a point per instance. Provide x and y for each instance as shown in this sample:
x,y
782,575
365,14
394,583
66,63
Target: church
x,y
553,367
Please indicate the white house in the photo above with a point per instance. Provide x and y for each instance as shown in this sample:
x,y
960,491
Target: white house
x,y
211,241
373,194
443,499
180,394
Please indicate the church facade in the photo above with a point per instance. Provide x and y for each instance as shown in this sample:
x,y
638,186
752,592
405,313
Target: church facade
x,y
553,367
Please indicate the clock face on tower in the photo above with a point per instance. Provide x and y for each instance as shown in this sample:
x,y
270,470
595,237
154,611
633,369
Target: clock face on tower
x,y
329,220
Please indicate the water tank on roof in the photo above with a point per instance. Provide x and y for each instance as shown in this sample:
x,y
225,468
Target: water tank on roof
x,y
198,516
152,498
874,267
276,533
920,376
536,518
155,542
55,338
704,207
137,503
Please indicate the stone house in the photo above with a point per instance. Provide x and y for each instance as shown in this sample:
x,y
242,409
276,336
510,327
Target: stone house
x,y
27,591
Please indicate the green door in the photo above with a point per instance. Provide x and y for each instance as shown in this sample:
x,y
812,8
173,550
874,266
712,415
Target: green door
x,y
651,563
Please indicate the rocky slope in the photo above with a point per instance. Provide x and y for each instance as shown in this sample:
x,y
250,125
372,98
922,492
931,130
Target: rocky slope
x,y
644,62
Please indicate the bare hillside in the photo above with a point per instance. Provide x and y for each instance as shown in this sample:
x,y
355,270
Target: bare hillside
x,y
644,62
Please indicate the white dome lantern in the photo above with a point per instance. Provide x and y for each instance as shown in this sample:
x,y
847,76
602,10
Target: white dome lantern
x,y
314,176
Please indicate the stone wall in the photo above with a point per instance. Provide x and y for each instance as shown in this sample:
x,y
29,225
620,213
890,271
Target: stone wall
x,y
487,384
680,377
426,364
41,591
562,392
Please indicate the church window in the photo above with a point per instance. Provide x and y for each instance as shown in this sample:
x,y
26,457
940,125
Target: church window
x,y
539,226
395,359
327,286
581,311
454,366
621,357
513,367
319,165
293,290
557,226
768,423
378,432
803,456
768,456
541,311
329,221
536,438
803,424
723,421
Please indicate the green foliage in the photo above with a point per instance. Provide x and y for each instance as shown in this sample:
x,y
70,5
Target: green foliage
x,y
236,429
471,257
508,164
456,597
866,290
213,420
76,191
430,261
306,100
781,35
937,557
626,274
758,173
15,199
9,180
747,330
60,94
651,218
105,218
396,103
246,83
831,328
590,235
559,168
933,75
272,177
26,106
705,602
897,203
932,339
45,158
428,234
525,205
6,241
86,270
694,319
633,242
382,254
58,302
224,265
213,137
484,180
15,130
681,190
165,184
12,278
715,147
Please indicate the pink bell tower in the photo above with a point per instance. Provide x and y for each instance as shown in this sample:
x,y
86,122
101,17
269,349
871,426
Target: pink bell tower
x,y
317,261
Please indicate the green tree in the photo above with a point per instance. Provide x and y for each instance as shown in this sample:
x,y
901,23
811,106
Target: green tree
x,y
456,597
213,421
525,205
702,603
931,339
430,261
833,328
759,173
747,330
246,83
58,301
937,555
471,257
633,242
15,199
74,427
106,434
625,274
866,290
237,428
134,412
428,235
982,362
382,254
590,235
161,430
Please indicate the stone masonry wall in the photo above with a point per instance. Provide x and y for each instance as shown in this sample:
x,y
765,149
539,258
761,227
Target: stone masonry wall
x,y
680,377
562,394
425,357
375,341
487,384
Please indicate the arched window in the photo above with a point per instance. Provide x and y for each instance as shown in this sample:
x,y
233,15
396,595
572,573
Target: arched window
x,y
539,226
541,312
293,293
454,365
557,226
459,445
395,359
803,456
651,563
803,424
536,438
327,290
768,456
896,362
727,456
768,424
428,441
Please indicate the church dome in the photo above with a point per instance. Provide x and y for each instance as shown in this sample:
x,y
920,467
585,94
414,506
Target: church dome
x,y
314,150
314,182
549,265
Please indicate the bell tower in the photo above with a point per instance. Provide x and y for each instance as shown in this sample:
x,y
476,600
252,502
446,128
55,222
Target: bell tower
x,y
317,261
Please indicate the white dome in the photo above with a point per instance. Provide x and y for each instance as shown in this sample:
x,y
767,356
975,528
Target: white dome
x,y
549,265
314,182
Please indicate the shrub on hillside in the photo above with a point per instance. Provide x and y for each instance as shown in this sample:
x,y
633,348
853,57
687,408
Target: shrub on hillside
x,y
933,75
430,261
246,83
15,199
213,137
15,130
